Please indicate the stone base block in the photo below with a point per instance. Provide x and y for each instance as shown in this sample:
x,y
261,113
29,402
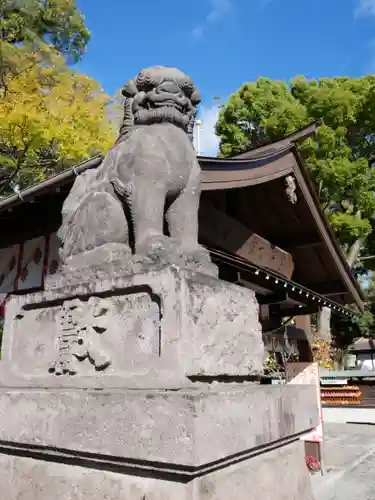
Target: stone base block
x,y
278,474
187,427
157,329
213,442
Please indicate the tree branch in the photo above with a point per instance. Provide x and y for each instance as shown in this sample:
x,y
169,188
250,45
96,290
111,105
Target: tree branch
x,y
353,252
7,181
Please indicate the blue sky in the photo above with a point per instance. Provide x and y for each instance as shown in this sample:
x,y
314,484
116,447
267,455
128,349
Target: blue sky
x,y
223,43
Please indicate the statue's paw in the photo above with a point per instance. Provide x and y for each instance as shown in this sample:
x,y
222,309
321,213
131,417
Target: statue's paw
x,y
166,250
157,248
199,260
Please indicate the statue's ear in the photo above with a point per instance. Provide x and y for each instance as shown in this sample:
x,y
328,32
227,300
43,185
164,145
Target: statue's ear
x,y
195,98
130,89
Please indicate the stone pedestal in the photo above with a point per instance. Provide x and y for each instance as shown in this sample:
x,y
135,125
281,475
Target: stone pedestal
x,y
217,442
138,387
153,329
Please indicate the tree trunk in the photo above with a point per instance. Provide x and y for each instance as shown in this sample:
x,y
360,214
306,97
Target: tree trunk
x,y
324,317
324,324
354,252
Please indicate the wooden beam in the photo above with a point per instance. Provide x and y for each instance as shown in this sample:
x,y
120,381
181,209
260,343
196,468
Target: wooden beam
x,y
30,220
291,241
328,288
274,298
218,229
303,322
295,311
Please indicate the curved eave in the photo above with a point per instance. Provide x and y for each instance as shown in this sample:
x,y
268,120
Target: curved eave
x,y
217,174
326,232
52,183
273,280
222,174
293,138
244,168
233,173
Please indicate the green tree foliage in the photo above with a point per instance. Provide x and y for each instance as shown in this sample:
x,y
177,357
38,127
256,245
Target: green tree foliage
x,y
58,23
50,119
50,116
35,31
339,158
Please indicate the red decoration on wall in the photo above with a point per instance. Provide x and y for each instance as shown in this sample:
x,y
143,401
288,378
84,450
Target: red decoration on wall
x,y
24,273
53,267
37,255
19,266
12,263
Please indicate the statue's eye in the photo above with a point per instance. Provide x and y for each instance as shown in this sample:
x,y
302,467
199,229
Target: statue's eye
x,y
145,82
147,87
187,87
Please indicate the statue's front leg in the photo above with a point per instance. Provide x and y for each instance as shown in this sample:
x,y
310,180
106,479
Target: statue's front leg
x,y
182,218
146,204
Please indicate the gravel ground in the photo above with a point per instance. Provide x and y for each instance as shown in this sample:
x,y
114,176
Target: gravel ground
x,y
349,454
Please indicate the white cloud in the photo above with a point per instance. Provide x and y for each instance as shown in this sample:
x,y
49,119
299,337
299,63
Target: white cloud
x,y
365,8
219,10
209,142
197,32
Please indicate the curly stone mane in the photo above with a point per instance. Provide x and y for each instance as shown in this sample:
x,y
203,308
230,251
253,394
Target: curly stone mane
x,y
160,95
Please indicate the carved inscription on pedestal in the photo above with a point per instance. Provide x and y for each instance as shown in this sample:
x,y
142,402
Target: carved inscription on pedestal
x,y
83,338
80,326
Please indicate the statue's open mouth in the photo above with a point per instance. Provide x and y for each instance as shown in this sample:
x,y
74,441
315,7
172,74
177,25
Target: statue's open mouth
x,y
158,106
168,104
162,111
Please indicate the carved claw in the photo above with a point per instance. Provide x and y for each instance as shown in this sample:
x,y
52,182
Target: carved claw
x,y
155,247
199,260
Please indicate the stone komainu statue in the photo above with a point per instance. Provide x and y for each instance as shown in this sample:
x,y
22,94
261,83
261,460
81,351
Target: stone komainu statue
x,y
151,171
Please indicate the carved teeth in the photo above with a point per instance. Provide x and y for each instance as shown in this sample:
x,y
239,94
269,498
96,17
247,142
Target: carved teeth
x,y
168,104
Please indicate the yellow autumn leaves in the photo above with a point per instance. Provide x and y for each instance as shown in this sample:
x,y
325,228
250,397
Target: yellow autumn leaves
x,y
323,353
47,107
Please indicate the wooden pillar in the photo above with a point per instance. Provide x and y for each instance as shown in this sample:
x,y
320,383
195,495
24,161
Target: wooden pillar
x,y
304,345
304,322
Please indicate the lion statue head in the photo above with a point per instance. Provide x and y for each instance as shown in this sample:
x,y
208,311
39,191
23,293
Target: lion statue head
x,y
157,95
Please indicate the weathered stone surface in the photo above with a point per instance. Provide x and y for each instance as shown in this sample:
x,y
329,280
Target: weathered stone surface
x,y
30,479
112,261
189,428
216,442
280,474
144,330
